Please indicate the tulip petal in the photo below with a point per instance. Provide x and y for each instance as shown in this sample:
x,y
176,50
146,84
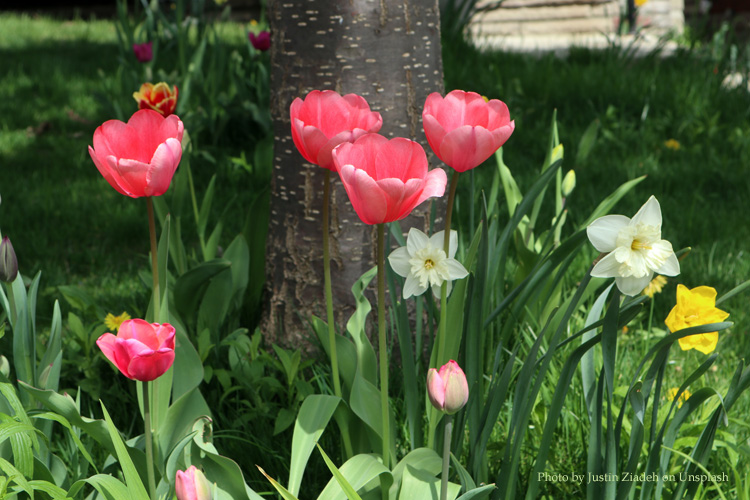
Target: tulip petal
x,y
434,185
603,231
104,169
368,201
162,167
106,343
434,131
435,389
466,147
148,366
132,175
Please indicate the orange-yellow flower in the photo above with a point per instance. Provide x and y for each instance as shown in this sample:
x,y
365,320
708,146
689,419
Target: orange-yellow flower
x,y
672,144
671,393
655,285
696,307
640,3
158,97
113,322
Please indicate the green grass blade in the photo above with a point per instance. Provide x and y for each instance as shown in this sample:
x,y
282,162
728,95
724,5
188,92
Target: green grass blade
x,y
282,491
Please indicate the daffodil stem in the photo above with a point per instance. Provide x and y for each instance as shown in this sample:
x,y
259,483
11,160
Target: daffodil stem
x,y
154,257
149,443
446,456
650,318
382,347
327,284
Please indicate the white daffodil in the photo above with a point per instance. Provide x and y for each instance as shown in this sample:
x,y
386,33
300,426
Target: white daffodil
x,y
424,264
635,250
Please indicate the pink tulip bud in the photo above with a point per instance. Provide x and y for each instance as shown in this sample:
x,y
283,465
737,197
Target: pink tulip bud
x,y
8,261
192,485
447,389
144,52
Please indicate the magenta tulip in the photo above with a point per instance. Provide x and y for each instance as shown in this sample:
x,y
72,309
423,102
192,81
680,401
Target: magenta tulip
x,y
261,41
192,485
463,129
140,157
386,179
141,350
447,389
326,119
144,52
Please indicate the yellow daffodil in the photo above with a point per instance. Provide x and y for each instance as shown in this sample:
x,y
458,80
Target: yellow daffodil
x,y
696,307
634,248
113,322
655,286
671,393
672,144
424,264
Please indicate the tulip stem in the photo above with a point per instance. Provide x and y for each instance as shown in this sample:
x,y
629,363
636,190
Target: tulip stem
x,y
444,288
327,284
149,444
446,456
154,258
439,361
382,348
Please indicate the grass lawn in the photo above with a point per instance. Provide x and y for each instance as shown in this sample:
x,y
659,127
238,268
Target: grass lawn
x,y
66,221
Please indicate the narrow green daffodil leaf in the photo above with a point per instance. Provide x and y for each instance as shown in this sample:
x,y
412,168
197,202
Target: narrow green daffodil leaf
x,y
348,489
282,491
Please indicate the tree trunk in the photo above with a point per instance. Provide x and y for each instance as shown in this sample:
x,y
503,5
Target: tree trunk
x,y
387,51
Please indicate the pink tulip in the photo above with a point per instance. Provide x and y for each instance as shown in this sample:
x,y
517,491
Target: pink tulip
x,y
141,350
8,261
463,129
385,179
140,157
144,52
325,119
192,485
261,41
447,389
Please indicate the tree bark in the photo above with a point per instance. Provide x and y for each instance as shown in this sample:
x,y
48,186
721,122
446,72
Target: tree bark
x,y
387,51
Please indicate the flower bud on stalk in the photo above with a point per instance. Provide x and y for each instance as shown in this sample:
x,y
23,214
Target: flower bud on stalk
x,y
192,485
8,261
447,389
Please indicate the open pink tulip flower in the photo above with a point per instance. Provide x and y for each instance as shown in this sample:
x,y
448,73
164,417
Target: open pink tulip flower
x,y
139,158
325,119
463,129
192,485
447,389
385,179
141,350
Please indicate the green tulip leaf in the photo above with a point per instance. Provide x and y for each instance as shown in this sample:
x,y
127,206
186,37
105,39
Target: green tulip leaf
x,y
347,488
424,486
282,491
357,472
132,478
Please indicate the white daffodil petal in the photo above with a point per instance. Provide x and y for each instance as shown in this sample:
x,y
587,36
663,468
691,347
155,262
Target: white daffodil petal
x,y
412,287
438,239
399,260
437,289
415,240
633,286
671,267
603,231
649,214
607,267
456,270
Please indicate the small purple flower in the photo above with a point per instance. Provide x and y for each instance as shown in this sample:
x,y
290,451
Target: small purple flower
x,y
261,41
143,51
